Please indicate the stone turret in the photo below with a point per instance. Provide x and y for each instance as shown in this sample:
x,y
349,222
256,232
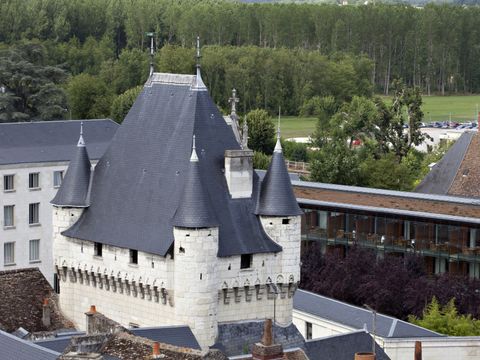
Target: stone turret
x,y
195,255
280,214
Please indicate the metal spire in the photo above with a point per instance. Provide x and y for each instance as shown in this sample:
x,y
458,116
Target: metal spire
x,y
199,85
193,157
278,145
233,101
81,141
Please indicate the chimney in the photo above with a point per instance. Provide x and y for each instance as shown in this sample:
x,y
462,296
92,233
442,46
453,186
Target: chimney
x,y
90,323
418,350
156,351
239,172
46,321
364,356
266,350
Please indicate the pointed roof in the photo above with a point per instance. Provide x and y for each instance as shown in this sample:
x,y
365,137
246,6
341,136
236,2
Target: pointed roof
x,y
195,208
276,193
139,183
199,84
75,185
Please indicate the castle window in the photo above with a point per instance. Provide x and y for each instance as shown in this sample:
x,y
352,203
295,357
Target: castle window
x,y
97,249
57,178
246,261
34,213
8,183
133,256
285,221
34,180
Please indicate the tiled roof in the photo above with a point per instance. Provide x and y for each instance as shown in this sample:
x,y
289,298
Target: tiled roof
x,y
355,317
13,348
138,183
51,141
22,293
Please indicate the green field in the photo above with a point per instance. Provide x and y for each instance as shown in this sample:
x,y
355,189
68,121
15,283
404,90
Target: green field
x,y
435,108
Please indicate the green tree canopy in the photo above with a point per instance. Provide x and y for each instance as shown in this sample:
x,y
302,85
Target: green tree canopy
x,y
89,97
30,89
261,131
123,103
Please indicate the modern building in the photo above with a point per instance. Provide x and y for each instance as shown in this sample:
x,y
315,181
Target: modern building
x,y
33,159
174,223
444,229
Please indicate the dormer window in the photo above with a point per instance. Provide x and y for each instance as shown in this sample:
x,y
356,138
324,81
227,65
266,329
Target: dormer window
x,y
246,261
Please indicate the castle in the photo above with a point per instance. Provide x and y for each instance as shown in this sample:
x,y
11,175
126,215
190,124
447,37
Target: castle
x,y
173,226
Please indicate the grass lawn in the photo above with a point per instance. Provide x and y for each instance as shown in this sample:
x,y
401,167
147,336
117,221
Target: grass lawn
x,y
435,108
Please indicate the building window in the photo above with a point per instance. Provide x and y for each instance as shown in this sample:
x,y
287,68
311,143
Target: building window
x,y
246,261
33,180
57,178
34,250
97,249
133,256
9,253
308,330
8,184
33,213
8,212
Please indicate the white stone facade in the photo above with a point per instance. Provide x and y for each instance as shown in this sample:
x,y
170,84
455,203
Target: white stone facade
x,y
22,232
194,287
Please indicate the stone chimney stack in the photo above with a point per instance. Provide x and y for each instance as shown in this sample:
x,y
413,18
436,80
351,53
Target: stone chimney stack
x,y
266,349
239,172
46,321
89,314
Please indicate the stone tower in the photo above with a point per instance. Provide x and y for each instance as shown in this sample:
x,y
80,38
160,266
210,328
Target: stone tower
x,y
195,254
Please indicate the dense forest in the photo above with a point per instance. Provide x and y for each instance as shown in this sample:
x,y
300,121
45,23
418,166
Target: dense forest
x,y
435,47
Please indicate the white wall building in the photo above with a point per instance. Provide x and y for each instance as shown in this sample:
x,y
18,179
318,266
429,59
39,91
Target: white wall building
x,y
33,159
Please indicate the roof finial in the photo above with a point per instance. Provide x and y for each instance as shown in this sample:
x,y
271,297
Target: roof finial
x,y
151,35
199,85
278,145
233,101
245,134
81,142
193,157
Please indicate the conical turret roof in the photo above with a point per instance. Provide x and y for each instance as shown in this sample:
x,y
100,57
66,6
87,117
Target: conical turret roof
x,y
75,185
276,196
195,208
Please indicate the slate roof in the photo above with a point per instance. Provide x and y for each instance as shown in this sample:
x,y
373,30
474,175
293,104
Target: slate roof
x,y
12,347
195,208
52,141
356,317
75,185
276,196
343,347
138,183
441,177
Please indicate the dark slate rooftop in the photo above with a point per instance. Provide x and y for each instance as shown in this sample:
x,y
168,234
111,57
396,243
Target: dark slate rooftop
x,y
343,347
276,196
75,186
138,183
356,317
52,141
441,177
14,348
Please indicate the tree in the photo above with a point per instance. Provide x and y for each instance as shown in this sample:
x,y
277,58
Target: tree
x,y
446,320
123,103
31,90
88,97
261,131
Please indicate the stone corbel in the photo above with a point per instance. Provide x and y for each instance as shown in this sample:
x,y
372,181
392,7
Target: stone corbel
x,y
80,276
63,274
107,283
87,278
237,294
72,276
248,293
282,290
226,296
93,279
134,289
270,292
120,286
100,281
258,291
149,292
141,291
127,287
164,296
292,287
